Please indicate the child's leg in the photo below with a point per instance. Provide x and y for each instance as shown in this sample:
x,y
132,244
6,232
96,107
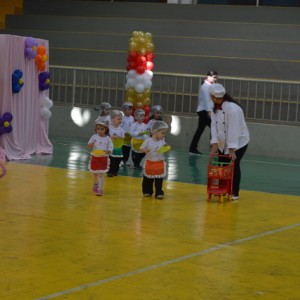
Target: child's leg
x,y
140,156
126,153
159,193
147,186
100,182
95,182
114,166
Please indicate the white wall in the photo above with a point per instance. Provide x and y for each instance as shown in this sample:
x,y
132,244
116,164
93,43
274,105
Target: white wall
x,y
266,139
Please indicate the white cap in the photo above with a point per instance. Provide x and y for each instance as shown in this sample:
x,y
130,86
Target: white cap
x,y
127,105
158,125
217,90
115,112
139,112
103,122
104,106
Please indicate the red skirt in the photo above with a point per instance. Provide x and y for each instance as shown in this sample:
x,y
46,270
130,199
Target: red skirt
x,y
155,169
99,164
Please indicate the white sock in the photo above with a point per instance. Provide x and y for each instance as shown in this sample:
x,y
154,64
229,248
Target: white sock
x,y
100,182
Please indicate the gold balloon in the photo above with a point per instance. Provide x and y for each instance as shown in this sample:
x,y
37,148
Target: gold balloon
x,y
147,101
139,104
135,34
149,47
130,91
140,97
132,47
146,93
148,36
142,51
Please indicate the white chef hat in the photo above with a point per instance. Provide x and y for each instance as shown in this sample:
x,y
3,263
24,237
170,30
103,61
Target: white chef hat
x,y
158,125
217,90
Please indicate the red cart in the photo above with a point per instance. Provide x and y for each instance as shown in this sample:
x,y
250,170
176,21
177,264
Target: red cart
x,y
220,176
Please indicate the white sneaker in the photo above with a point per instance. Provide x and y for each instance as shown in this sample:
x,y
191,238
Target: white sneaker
x,y
235,197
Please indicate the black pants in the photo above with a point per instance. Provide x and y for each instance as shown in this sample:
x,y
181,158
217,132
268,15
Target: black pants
x,y
237,169
137,158
126,152
203,121
148,186
114,164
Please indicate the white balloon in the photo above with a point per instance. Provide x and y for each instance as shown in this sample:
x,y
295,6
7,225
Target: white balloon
x,y
148,84
131,73
148,75
46,113
131,82
47,102
139,88
140,79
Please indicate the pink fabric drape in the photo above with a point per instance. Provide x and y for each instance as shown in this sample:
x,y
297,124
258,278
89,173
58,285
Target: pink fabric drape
x,y
30,130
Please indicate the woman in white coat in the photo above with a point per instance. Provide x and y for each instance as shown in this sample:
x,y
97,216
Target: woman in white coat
x,y
229,132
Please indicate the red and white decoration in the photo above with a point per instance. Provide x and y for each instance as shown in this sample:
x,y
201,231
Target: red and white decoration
x,y
140,67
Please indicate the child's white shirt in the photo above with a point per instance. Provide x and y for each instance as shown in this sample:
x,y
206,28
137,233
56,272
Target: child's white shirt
x,y
153,146
101,143
127,122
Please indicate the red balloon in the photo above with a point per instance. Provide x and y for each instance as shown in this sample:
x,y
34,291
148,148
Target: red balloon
x,y
140,60
149,66
147,109
140,69
149,56
132,55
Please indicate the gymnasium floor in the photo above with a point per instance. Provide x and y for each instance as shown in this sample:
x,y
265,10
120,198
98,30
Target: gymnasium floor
x,y
59,241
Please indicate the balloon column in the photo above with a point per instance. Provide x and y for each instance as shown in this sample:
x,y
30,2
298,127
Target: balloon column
x,y
139,77
5,123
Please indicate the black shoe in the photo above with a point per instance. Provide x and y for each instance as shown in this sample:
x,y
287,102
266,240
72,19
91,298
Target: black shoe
x,y
110,174
195,152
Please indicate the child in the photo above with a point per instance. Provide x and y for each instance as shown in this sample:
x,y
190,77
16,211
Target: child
x,y
126,124
116,133
155,115
137,131
99,162
104,111
155,168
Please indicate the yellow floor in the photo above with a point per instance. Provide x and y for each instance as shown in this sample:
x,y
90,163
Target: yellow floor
x,y
59,241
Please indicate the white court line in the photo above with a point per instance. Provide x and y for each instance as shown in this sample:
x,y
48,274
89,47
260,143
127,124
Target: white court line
x,y
167,262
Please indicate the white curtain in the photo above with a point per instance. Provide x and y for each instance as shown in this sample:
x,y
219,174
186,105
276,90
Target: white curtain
x,y
30,130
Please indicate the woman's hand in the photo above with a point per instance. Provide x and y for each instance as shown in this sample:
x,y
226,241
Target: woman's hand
x,y
214,148
232,154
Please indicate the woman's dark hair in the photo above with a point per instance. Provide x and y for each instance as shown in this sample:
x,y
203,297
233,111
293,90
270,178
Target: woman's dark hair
x,y
212,73
227,98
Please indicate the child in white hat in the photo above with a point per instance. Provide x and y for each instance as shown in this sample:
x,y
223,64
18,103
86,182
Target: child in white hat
x,y
117,134
154,168
139,134
126,124
104,112
101,146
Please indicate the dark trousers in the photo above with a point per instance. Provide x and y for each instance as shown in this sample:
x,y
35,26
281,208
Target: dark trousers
x,y
203,121
137,158
237,169
147,186
126,152
114,164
